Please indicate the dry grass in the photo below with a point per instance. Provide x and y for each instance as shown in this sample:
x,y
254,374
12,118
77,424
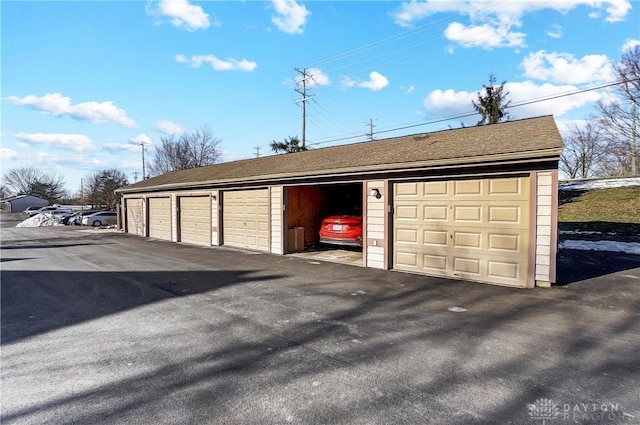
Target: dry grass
x,y
611,211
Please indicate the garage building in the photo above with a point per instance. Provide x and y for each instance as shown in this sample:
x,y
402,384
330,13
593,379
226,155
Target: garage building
x,y
476,203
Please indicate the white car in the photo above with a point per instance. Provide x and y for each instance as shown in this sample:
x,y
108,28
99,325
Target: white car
x,y
31,213
101,218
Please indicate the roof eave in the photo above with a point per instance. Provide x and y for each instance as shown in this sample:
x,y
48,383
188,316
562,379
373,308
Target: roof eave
x,y
546,154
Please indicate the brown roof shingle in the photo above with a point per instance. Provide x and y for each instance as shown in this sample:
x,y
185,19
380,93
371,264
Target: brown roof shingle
x,y
527,138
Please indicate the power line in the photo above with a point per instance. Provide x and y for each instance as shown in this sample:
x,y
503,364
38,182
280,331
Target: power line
x,y
469,114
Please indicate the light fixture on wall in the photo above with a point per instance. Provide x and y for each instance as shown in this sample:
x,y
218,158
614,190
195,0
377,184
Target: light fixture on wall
x,y
214,197
375,193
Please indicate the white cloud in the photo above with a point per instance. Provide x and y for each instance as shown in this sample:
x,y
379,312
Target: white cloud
x,y
6,153
555,31
119,147
140,139
182,14
318,78
494,21
448,102
169,127
443,103
58,105
525,91
564,68
229,64
74,142
486,36
629,44
290,16
376,82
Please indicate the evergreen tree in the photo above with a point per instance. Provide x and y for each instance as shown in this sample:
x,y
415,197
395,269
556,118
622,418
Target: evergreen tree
x,y
492,103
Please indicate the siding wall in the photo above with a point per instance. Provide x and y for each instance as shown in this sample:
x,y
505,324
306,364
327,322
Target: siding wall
x,y
375,225
276,202
215,218
547,189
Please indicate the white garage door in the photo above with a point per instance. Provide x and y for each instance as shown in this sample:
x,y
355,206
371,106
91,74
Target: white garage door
x,y
160,218
246,219
135,218
471,229
195,220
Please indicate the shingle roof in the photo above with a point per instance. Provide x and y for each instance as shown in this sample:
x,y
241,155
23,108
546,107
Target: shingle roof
x,y
522,139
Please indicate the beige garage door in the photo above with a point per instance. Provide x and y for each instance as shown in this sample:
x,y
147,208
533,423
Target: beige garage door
x,y
195,220
160,218
246,219
471,229
135,218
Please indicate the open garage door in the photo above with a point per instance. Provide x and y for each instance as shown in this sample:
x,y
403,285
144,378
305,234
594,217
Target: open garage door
x,y
135,218
160,218
471,229
195,220
246,219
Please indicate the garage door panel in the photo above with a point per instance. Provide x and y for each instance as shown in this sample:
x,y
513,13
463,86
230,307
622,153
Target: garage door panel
x,y
160,218
195,220
246,219
475,229
135,218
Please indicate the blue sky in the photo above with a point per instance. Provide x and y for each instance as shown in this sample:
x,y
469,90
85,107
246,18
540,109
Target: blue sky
x,y
83,83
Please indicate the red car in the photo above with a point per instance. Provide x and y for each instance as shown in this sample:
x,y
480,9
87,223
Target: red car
x,y
342,230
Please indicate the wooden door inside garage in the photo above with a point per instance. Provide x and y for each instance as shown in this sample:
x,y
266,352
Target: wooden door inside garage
x,y
135,218
195,220
160,218
471,229
246,219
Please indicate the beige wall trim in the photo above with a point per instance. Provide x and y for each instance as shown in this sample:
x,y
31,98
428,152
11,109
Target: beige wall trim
x,y
533,218
554,226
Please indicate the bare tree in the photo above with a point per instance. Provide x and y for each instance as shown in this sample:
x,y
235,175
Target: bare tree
x,y
492,104
190,150
584,150
290,145
30,181
619,119
99,188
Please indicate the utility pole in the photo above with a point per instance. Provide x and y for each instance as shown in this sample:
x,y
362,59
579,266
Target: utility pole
x,y
302,89
143,166
257,148
371,127
135,176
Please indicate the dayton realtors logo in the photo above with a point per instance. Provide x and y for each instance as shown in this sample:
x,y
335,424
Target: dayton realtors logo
x,y
547,410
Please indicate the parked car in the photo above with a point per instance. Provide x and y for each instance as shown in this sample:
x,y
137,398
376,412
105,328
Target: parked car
x,y
77,217
59,214
100,218
31,213
342,230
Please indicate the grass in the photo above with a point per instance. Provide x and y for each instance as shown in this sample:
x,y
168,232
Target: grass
x,y
612,211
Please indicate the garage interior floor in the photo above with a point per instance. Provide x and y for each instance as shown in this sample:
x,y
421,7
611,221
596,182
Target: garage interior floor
x,y
333,255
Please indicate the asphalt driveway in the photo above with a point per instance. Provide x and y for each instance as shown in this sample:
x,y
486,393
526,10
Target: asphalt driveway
x,y
104,328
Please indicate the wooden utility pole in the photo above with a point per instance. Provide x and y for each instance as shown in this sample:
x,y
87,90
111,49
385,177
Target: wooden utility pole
x,y
257,148
302,89
143,166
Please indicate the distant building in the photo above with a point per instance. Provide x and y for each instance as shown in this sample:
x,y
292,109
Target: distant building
x,y
19,203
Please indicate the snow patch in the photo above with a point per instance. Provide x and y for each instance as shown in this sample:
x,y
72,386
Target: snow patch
x,y
39,220
610,246
600,183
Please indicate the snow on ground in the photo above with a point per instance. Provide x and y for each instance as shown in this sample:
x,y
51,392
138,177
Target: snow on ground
x,y
599,183
611,246
39,220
